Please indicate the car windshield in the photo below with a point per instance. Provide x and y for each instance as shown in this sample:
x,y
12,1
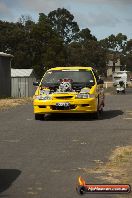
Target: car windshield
x,y
77,76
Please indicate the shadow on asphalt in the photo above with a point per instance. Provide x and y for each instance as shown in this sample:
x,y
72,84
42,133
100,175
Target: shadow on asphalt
x,y
112,113
7,177
108,114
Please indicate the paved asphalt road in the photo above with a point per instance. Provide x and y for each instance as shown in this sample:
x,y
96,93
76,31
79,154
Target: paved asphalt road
x,y
43,159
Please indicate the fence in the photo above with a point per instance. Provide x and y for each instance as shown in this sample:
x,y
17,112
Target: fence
x,y
22,87
108,84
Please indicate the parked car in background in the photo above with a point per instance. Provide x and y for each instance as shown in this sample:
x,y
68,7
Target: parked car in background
x,y
120,76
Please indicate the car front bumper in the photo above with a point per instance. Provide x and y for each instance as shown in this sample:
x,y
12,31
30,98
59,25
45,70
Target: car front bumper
x,y
76,106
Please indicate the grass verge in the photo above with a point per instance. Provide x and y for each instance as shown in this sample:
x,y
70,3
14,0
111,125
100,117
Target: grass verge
x,y
118,168
10,102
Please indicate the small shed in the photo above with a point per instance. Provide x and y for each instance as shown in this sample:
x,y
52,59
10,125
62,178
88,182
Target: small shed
x,y
5,74
22,83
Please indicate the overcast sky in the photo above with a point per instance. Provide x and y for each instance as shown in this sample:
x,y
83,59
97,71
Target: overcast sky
x,y
102,17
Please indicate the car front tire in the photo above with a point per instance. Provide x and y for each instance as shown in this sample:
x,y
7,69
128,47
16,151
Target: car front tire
x,y
39,116
98,114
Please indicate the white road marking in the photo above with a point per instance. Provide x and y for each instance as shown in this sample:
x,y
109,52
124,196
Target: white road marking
x,y
11,141
55,171
32,193
127,118
39,188
75,140
83,143
29,119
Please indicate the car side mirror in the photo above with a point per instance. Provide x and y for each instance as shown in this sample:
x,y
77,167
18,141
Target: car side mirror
x,y
100,81
36,84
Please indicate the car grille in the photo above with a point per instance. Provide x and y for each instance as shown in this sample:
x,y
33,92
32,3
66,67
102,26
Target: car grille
x,y
64,97
42,106
63,108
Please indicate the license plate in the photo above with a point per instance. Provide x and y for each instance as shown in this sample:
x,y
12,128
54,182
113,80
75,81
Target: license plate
x,y
63,104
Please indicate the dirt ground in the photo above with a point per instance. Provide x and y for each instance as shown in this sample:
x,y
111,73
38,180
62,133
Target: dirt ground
x,y
118,168
11,103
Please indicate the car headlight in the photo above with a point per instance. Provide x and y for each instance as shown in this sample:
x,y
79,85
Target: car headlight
x,y
40,97
91,96
85,96
82,96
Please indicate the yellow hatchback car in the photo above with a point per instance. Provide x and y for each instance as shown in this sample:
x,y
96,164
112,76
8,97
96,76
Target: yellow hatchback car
x,y
69,90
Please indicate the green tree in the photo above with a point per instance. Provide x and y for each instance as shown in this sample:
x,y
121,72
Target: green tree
x,y
63,22
47,45
115,46
87,51
85,35
15,39
6,30
22,45
24,19
115,43
127,56
33,44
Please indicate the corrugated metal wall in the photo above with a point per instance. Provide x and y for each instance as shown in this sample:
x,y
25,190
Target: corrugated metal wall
x,y
5,77
22,87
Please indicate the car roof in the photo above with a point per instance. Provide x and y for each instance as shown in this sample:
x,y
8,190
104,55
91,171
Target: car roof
x,y
71,68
